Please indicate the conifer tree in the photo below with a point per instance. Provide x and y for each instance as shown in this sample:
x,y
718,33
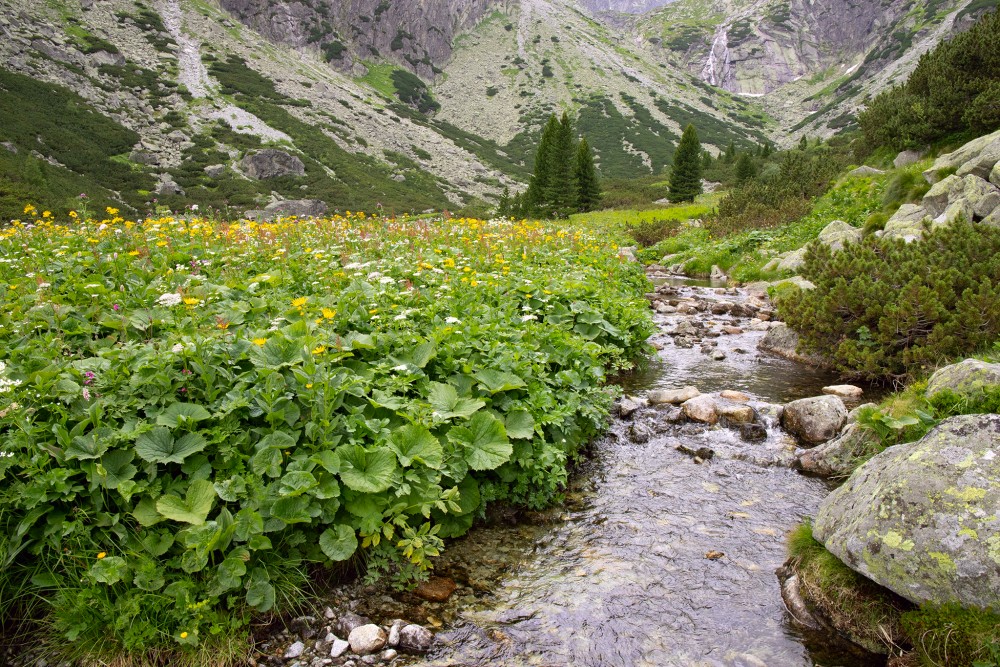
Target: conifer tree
x,y
730,153
534,201
745,168
685,176
560,191
587,186
503,204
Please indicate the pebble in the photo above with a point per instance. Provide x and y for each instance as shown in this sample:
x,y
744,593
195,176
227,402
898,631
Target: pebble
x,y
339,648
415,637
295,650
366,639
389,655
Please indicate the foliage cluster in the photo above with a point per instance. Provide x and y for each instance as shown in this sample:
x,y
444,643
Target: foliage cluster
x,y
954,88
885,309
192,411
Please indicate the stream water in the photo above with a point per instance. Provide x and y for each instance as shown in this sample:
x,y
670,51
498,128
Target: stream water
x,y
628,573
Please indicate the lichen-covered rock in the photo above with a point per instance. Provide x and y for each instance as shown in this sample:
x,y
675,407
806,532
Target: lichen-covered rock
x,y
905,223
995,175
935,202
966,377
983,196
814,420
921,518
792,261
865,170
272,163
838,457
969,154
838,233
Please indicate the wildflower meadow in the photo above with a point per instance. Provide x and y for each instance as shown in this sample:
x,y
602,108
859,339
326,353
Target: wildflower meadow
x,y
195,414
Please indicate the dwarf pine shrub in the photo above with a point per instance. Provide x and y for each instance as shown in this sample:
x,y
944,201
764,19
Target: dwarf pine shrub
x,y
885,309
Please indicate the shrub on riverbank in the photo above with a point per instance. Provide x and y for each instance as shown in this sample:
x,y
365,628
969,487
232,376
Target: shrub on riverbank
x,y
193,411
886,309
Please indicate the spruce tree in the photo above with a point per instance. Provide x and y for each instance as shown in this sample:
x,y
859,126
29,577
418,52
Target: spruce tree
x,y
534,201
587,186
730,153
745,168
685,176
559,195
503,204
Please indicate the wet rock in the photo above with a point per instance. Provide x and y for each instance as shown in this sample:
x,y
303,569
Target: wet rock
x,y
393,639
718,355
435,589
783,341
838,457
684,328
753,432
731,395
673,396
348,622
717,274
295,650
684,342
848,391
639,433
699,455
731,330
735,413
814,420
791,593
965,378
701,409
272,163
415,638
339,648
367,639
920,518
627,407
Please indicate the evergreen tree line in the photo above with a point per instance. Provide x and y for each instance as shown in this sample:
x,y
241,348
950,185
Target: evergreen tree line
x,y
954,88
564,180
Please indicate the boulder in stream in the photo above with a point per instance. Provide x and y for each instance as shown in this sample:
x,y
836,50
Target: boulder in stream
x,y
921,518
814,420
701,409
838,457
672,396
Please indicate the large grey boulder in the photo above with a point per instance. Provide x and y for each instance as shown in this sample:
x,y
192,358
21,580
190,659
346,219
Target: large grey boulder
x,y
965,378
838,457
784,342
792,261
921,518
905,223
966,159
272,163
982,164
906,158
941,193
865,170
702,409
814,420
983,196
995,175
838,233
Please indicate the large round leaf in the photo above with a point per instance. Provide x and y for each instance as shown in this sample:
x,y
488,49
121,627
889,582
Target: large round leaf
x,y
193,508
339,542
485,440
415,443
367,470
159,446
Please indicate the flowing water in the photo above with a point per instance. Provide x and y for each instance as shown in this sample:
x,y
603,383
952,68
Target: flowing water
x,y
656,559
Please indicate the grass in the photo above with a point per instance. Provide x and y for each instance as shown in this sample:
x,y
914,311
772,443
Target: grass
x,y
860,609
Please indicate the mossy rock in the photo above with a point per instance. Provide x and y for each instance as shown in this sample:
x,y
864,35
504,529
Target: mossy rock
x,y
965,378
921,518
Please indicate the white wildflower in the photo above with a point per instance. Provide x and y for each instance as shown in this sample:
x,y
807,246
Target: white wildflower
x,y
525,318
400,368
452,320
178,348
169,299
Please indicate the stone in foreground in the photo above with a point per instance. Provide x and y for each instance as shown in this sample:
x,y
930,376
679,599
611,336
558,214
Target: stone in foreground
x,y
921,518
848,391
366,639
415,638
814,420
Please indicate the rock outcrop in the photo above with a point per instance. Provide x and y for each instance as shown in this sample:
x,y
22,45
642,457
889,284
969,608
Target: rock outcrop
x,y
921,518
272,163
302,208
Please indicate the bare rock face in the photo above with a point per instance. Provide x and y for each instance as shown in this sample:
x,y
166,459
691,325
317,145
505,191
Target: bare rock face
x,y
814,420
920,518
272,163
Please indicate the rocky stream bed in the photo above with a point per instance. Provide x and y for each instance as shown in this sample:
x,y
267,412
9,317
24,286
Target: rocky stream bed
x,y
666,549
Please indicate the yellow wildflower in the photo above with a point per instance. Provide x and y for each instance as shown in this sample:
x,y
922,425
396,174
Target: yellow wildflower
x,y
320,349
191,301
111,210
329,314
184,635
300,301
101,555
30,210
309,386
259,342
73,214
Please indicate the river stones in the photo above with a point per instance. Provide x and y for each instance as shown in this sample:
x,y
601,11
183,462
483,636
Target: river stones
x,y
734,412
627,407
967,377
838,457
348,621
366,639
672,396
415,638
753,432
435,589
814,420
847,391
784,342
339,648
702,409
731,395
920,518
